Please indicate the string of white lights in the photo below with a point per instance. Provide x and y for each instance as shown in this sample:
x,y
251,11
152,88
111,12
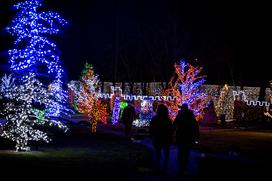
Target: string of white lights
x,y
249,102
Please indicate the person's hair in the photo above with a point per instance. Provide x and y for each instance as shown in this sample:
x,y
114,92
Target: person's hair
x,y
184,106
162,110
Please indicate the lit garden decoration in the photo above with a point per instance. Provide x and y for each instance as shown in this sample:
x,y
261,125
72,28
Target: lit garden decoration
x,y
34,52
33,60
86,99
146,113
23,111
241,96
186,87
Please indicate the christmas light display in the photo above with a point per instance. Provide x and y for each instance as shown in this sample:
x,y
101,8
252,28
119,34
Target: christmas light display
x,y
212,91
86,97
36,53
249,102
23,111
98,114
268,114
116,110
40,114
268,111
122,106
116,98
141,123
103,112
229,107
146,112
60,107
72,97
244,108
223,106
186,87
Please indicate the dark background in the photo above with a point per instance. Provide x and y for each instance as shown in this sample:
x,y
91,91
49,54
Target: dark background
x,y
139,40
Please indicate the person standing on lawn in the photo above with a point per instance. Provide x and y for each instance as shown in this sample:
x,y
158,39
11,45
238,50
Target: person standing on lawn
x,y
187,133
161,130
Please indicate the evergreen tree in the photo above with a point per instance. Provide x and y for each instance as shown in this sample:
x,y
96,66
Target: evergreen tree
x,y
223,106
35,53
24,110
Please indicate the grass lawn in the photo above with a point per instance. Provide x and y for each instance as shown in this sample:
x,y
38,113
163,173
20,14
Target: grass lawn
x,y
80,157
253,148
103,155
256,144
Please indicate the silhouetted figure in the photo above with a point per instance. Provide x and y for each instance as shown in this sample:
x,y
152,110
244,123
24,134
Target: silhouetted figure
x,y
238,111
210,117
187,132
161,130
128,117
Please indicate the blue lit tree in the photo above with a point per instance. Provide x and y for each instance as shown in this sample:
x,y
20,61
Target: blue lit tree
x,y
29,102
35,53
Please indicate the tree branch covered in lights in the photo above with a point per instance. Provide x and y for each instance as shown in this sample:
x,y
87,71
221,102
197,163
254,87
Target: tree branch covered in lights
x,y
24,111
36,53
116,109
85,92
185,85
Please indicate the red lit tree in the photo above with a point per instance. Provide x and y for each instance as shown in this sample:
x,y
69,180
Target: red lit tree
x,y
86,99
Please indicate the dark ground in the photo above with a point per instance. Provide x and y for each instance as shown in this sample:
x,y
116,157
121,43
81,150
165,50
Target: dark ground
x,y
76,157
221,154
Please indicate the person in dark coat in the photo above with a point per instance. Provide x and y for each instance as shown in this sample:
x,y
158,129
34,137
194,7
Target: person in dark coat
x,y
128,116
161,131
187,132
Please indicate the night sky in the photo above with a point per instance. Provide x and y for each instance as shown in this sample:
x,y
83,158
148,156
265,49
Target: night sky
x,y
139,40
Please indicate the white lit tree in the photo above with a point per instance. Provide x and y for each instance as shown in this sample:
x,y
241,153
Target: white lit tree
x,y
223,104
24,110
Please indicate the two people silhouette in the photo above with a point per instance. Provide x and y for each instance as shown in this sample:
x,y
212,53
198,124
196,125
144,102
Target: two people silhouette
x,y
162,131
